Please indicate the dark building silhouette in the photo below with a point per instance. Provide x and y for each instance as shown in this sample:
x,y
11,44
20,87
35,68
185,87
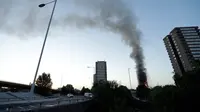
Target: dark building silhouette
x,y
100,72
183,47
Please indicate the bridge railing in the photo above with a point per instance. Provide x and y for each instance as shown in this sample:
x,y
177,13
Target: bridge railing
x,y
37,104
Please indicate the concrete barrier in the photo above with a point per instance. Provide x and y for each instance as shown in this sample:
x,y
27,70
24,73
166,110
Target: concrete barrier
x,y
40,104
78,107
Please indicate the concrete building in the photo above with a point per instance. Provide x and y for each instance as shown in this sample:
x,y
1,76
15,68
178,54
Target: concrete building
x,y
183,47
100,72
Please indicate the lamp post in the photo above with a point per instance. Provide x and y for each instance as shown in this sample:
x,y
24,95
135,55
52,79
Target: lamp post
x,y
46,35
129,78
94,76
92,68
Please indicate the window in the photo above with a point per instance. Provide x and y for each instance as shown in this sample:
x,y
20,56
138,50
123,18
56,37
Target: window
x,y
174,58
193,42
183,29
195,52
189,31
193,45
195,56
185,34
194,48
191,36
188,40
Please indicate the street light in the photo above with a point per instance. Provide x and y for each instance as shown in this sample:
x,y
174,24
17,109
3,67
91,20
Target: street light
x,y
43,4
129,78
94,71
46,35
91,67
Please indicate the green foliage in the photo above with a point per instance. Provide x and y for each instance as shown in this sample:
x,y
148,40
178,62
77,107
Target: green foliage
x,y
196,64
67,89
84,90
177,79
43,91
122,99
142,92
164,98
44,84
44,80
103,94
113,97
189,80
180,98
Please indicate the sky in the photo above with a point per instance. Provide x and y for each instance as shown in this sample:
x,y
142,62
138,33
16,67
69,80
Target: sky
x,y
69,51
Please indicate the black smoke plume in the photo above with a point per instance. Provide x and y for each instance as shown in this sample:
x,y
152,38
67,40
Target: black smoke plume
x,y
109,15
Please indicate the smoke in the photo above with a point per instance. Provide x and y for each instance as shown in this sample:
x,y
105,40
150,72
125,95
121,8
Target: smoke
x,y
113,15
108,15
20,17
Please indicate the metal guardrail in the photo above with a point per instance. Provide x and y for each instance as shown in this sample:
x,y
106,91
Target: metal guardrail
x,y
16,99
38,104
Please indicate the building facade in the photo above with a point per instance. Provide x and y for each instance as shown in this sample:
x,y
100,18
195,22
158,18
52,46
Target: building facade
x,y
183,47
100,72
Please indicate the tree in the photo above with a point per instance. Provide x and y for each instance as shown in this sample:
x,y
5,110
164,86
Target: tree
x,y
113,84
142,92
104,94
77,91
196,64
189,86
163,98
67,89
183,97
177,79
122,99
115,98
189,80
44,80
84,90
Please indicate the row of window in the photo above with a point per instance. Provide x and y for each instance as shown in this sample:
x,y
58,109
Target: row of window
x,y
197,58
196,55
186,34
188,40
195,52
194,49
189,31
193,42
193,45
191,36
182,29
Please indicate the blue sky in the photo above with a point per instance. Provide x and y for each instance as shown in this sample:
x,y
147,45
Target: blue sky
x,y
69,51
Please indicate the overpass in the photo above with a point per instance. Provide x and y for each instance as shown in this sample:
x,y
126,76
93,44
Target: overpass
x,y
20,101
12,86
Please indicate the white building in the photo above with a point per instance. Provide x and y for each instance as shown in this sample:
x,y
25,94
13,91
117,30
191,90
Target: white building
x,y
100,72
